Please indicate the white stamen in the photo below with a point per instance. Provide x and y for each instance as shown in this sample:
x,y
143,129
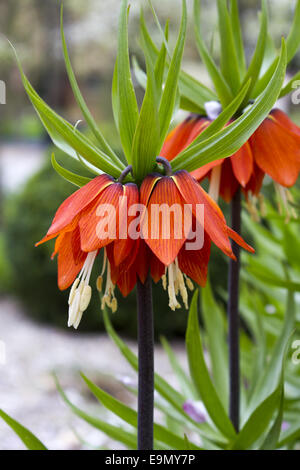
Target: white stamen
x,y
109,298
284,198
214,186
81,292
177,283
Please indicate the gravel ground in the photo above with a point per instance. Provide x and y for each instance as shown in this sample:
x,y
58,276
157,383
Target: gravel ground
x,y
27,389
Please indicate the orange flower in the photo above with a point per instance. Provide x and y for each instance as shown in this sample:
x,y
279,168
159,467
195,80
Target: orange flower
x,y
76,226
82,230
167,251
273,149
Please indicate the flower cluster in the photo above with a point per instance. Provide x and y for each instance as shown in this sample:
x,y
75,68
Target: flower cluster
x,y
273,149
126,259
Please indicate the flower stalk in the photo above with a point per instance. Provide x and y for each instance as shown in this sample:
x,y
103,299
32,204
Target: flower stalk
x,y
146,364
233,317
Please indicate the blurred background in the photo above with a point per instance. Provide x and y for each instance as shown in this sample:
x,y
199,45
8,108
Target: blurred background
x,y
33,311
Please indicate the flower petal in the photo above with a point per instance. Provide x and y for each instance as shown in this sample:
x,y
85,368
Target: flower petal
x,y
214,221
242,164
161,230
92,235
183,135
255,183
228,183
75,203
204,170
239,240
194,263
276,151
123,246
67,267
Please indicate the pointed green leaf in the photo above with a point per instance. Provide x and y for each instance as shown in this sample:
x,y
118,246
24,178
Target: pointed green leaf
x,y
114,432
147,135
223,118
293,39
168,99
218,351
31,442
230,139
200,374
186,385
258,56
229,61
237,36
128,108
130,416
223,91
269,380
80,100
69,175
258,421
191,90
272,438
115,96
165,390
291,85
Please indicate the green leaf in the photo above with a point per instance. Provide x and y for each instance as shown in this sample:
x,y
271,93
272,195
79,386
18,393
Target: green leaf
x,y
168,99
258,56
261,272
292,46
290,435
269,379
237,36
31,442
115,432
66,137
69,175
128,108
130,416
200,374
115,96
293,39
272,438
223,118
168,393
258,421
80,100
161,63
222,88
218,351
162,386
229,140
147,135
191,91
229,61
290,86
187,386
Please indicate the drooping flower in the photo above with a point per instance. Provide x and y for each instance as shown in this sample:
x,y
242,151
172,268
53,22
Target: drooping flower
x,y
98,216
88,220
176,244
273,149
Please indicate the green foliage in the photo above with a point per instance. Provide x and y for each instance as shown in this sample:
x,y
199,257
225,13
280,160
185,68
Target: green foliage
x,y
31,442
